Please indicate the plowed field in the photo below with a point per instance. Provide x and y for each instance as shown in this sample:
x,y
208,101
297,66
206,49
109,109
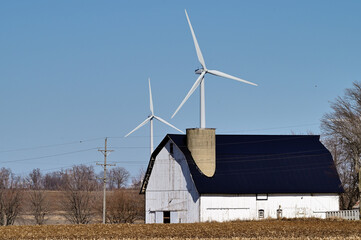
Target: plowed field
x,y
268,229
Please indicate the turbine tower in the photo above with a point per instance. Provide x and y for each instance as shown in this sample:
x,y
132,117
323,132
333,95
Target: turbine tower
x,y
200,80
150,119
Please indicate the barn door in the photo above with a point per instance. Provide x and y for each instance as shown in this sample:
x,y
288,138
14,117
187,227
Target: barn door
x,y
151,217
174,217
158,217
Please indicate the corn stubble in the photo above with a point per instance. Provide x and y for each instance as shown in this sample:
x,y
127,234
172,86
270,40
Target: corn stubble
x,y
267,229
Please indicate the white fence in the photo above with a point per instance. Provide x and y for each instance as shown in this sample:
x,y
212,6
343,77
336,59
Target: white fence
x,y
344,214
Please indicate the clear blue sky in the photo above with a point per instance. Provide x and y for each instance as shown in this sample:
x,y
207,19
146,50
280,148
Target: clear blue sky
x,y
73,71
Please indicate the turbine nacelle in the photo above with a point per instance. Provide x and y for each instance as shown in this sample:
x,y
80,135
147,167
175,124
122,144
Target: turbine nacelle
x,y
199,71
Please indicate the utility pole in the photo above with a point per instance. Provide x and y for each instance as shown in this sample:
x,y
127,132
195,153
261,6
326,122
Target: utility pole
x,y
105,152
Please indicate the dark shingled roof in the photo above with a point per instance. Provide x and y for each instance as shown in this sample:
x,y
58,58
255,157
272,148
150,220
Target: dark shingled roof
x,y
251,164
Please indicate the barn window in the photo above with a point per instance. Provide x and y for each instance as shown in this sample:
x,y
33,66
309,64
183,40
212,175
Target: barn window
x,y
261,213
166,217
261,197
171,148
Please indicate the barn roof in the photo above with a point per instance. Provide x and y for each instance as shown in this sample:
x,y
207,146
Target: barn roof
x,y
251,164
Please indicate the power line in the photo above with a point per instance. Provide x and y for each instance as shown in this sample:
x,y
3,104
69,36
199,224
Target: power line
x,y
260,141
142,136
283,168
48,156
129,147
68,166
139,136
57,168
233,143
48,146
273,128
60,154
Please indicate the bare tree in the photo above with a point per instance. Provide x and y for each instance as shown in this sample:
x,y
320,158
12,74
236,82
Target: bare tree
x,y
53,181
346,171
342,127
79,196
138,179
10,197
35,179
39,206
125,206
118,177
37,203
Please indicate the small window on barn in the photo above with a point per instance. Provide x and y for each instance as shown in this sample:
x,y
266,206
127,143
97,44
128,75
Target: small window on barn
x,y
166,217
171,148
260,197
261,213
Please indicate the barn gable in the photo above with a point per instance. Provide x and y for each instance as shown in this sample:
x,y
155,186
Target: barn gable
x,y
170,188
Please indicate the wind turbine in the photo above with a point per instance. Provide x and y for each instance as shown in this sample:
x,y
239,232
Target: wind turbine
x,y
150,119
200,80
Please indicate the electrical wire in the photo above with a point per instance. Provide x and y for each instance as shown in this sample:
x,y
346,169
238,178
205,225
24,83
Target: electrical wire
x,y
126,147
273,128
58,168
48,146
284,168
157,136
48,156
243,142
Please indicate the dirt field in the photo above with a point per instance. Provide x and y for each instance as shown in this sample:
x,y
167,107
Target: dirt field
x,y
267,229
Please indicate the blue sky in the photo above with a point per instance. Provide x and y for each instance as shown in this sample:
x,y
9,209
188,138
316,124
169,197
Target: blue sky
x,y
74,72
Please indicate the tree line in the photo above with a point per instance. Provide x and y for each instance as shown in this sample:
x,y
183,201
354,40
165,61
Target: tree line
x,y
78,198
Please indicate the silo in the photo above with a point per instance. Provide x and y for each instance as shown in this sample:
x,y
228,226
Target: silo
x,y
201,142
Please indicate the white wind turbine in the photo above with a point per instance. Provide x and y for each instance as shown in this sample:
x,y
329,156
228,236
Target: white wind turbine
x,y
150,119
200,81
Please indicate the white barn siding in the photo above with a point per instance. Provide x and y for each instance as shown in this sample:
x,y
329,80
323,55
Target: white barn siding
x,y
240,207
171,188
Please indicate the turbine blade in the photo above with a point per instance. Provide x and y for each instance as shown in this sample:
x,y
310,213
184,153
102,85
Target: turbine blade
x,y
194,87
150,99
225,75
140,125
198,50
165,122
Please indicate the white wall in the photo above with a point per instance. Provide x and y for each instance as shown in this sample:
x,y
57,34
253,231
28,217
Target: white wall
x,y
233,207
171,188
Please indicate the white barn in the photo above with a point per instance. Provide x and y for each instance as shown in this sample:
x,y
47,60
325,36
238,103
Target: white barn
x,y
201,177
